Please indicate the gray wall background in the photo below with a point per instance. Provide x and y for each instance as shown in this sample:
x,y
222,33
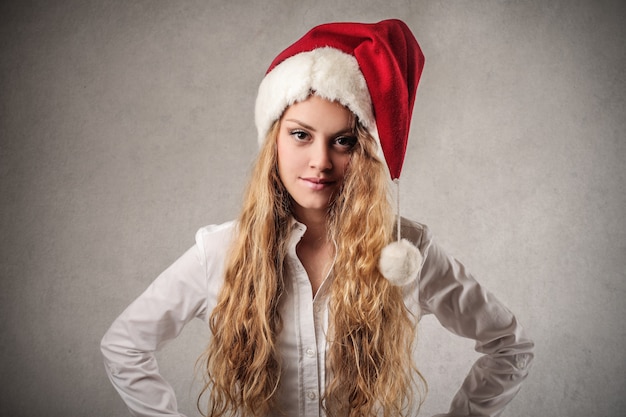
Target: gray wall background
x,y
126,125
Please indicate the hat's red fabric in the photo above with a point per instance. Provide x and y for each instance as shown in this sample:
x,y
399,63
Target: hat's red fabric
x,y
391,62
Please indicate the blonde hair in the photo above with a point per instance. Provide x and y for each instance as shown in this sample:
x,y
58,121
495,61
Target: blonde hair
x,y
371,331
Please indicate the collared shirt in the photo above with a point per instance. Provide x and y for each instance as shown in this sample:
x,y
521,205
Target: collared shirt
x,y
189,289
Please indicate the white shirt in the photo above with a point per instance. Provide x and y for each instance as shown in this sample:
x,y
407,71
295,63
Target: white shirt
x,y
190,286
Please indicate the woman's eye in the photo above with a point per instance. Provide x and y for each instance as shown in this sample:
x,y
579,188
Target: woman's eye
x,y
299,134
346,142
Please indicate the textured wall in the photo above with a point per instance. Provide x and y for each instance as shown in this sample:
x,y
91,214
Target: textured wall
x,y
124,126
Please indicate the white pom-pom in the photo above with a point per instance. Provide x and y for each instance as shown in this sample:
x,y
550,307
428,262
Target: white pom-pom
x,y
400,262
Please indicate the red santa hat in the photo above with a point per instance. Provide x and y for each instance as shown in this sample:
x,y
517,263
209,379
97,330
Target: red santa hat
x,y
371,68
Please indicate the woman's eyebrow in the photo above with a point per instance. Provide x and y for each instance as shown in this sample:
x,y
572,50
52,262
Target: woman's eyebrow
x,y
304,125
348,129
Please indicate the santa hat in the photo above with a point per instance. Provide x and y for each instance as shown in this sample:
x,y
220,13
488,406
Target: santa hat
x,y
371,68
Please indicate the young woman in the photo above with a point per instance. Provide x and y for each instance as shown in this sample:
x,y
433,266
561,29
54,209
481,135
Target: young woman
x,y
314,293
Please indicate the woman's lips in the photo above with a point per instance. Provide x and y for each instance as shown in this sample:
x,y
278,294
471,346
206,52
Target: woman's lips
x,y
317,184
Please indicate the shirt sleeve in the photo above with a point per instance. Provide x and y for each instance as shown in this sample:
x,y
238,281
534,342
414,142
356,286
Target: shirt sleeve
x,y
466,309
154,318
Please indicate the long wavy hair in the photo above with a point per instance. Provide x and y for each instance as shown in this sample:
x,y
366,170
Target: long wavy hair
x,y
371,332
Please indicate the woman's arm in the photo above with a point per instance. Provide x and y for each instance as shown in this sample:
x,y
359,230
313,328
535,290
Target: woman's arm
x,y
154,318
465,308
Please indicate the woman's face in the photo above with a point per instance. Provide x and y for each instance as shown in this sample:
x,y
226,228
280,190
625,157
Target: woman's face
x,y
315,142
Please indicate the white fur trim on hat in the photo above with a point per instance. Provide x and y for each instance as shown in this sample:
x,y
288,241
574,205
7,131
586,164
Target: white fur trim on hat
x,y
328,72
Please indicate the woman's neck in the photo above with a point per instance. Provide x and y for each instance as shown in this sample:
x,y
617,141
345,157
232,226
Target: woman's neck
x,y
315,250
316,227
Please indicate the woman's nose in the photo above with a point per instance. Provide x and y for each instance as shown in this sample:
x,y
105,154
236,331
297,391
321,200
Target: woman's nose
x,y
320,156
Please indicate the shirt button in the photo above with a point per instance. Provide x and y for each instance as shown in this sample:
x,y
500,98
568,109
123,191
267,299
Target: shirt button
x,y
310,352
312,395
